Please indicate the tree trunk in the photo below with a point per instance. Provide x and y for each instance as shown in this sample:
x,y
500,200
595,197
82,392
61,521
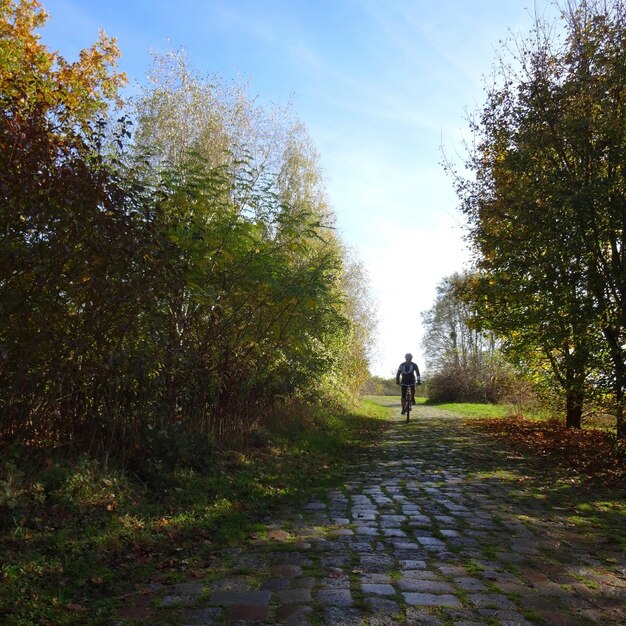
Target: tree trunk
x,y
574,389
621,422
574,408
620,416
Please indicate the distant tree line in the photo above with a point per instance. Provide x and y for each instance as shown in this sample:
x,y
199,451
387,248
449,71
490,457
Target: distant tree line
x,y
161,290
546,207
381,386
465,362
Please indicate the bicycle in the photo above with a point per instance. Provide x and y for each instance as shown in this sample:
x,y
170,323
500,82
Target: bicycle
x,y
407,403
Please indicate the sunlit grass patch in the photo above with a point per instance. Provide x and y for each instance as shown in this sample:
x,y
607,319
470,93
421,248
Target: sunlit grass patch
x,y
473,409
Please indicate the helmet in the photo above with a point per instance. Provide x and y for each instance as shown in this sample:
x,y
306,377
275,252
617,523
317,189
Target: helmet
x,y
408,355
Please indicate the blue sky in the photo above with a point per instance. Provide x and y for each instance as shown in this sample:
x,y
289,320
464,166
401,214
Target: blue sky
x,y
381,85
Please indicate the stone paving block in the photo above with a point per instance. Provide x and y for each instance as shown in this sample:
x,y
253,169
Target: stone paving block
x,y
189,589
419,520
293,558
341,532
378,589
364,517
294,596
525,547
337,616
384,503
431,543
452,570
403,546
286,571
248,612
230,584
431,599
425,574
314,506
408,508
376,563
491,600
511,557
393,532
408,564
229,598
382,605
428,586
374,578
178,600
335,597
205,616
275,584
420,617
293,614
470,584
335,560
342,582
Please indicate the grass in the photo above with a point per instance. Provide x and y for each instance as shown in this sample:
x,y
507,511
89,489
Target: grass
x,y
75,537
473,409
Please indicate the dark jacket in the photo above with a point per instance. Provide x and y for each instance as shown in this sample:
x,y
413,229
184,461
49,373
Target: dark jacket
x,y
409,372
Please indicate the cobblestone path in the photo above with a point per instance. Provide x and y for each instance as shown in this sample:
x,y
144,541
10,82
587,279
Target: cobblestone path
x,y
436,528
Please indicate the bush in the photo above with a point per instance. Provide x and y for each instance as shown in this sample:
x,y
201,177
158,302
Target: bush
x,y
476,384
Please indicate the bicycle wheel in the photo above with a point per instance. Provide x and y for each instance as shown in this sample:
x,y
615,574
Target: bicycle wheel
x,y
408,405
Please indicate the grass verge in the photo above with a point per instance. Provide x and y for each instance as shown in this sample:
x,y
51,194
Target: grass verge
x,y
471,409
75,537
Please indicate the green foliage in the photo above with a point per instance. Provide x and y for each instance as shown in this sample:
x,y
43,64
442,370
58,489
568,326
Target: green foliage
x,y
160,293
545,206
466,361
164,299
379,386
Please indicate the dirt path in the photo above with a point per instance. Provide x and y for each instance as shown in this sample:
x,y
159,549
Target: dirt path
x,y
436,528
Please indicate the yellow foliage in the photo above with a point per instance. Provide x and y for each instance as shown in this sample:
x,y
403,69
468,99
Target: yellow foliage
x,y
34,79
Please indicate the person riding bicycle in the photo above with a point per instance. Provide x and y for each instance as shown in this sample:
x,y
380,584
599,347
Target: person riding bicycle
x,y
410,374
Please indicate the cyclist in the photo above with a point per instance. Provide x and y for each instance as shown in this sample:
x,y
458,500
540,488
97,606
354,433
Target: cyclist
x,y
410,374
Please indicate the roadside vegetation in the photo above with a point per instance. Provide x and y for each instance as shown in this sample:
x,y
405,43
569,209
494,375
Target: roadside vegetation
x,y
542,190
76,537
181,330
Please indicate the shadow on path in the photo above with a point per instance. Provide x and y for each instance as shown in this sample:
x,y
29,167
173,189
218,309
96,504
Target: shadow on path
x,y
437,527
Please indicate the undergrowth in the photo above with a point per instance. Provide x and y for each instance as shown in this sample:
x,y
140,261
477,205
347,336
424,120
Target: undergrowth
x,y
75,536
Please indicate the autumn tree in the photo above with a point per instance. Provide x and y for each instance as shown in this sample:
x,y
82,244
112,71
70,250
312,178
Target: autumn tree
x,y
545,209
465,359
53,198
184,118
161,293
